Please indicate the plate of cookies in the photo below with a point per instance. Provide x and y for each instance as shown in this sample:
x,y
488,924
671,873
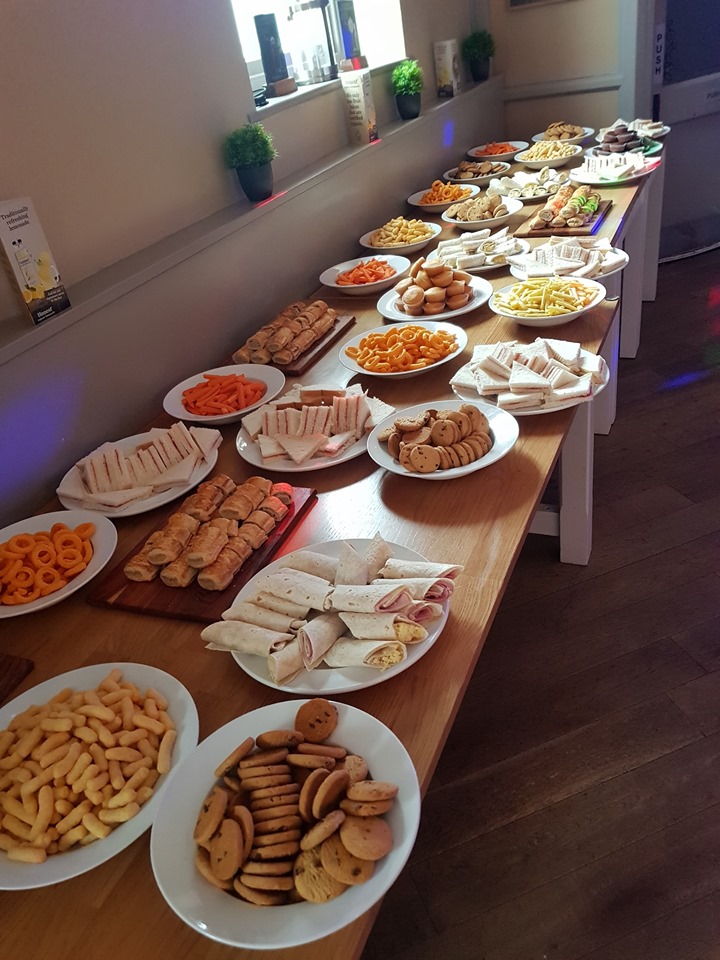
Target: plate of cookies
x,y
443,442
434,290
307,807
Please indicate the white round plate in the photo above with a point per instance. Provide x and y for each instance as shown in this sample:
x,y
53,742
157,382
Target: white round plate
x,y
415,198
482,290
402,248
476,153
524,247
227,919
64,866
273,379
514,206
600,294
471,396
250,452
432,326
329,277
553,163
654,136
517,273
595,181
538,197
504,430
104,541
478,181
323,680
127,446
587,132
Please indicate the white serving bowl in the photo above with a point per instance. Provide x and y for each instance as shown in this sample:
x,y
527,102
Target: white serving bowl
x,y
430,325
514,206
329,277
475,153
557,162
415,198
273,379
587,132
548,321
402,248
450,175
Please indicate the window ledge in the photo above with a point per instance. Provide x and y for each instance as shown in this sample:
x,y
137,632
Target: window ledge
x,y
95,292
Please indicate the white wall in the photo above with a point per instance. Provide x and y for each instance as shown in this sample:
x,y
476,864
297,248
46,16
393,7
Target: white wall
x,y
106,184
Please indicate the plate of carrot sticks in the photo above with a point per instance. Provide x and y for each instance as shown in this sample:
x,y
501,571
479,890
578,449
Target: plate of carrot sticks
x,y
224,394
46,558
365,276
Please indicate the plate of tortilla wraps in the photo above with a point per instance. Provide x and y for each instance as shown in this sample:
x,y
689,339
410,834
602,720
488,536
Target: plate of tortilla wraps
x,y
337,616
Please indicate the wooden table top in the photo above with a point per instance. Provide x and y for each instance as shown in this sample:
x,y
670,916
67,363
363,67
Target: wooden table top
x,y
480,521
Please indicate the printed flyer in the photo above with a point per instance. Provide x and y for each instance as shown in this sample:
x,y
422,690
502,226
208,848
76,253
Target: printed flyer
x,y
28,261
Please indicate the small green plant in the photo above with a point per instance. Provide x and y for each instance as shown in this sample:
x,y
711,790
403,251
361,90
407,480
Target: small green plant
x,y
248,146
407,78
477,47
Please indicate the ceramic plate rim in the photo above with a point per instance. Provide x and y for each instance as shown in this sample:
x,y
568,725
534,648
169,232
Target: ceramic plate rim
x,y
498,451
500,157
196,900
403,248
273,378
73,863
201,470
431,325
587,132
347,679
363,288
600,278
465,394
478,284
597,182
477,181
244,444
482,224
104,543
555,321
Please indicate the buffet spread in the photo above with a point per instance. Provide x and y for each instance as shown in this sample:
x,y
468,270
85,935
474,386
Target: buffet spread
x,y
296,807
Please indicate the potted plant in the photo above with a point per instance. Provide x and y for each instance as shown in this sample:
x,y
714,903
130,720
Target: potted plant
x,y
249,150
476,51
407,81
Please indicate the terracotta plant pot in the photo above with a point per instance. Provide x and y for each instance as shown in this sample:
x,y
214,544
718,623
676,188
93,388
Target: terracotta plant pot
x,y
257,182
408,105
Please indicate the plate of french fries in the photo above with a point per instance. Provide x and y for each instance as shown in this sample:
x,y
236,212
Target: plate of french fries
x,y
547,301
84,759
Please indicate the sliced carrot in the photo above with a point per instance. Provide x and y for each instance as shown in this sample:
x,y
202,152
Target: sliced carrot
x,y
369,271
221,394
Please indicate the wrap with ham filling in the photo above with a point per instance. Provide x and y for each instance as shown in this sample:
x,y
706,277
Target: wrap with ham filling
x,y
298,587
395,569
380,654
420,611
317,636
423,588
285,664
373,598
298,611
244,637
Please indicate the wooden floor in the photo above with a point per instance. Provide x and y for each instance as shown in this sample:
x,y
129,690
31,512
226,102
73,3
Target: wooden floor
x,y
575,812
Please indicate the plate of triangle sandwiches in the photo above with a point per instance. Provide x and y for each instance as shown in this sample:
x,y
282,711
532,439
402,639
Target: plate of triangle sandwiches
x,y
139,473
310,428
531,378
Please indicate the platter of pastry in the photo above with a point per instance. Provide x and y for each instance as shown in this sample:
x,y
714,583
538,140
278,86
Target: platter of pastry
x,y
479,251
573,210
122,823
406,351
531,379
530,187
489,210
45,559
318,902
310,428
567,132
142,472
443,441
223,394
196,558
395,303
356,613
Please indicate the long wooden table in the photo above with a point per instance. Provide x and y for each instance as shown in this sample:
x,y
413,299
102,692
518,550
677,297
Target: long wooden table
x,y
480,521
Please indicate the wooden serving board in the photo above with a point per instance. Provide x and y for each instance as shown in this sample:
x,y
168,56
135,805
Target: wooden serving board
x,y
317,349
193,603
13,671
585,231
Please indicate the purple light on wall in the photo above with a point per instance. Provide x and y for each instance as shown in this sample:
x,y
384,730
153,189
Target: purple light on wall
x,y
33,427
449,133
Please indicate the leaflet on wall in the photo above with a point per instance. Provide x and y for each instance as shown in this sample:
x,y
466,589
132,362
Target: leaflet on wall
x,y
357,86
28,261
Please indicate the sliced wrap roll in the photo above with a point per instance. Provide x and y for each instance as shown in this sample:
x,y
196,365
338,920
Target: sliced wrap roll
x,y
376,556
251,613
380,654
309,561
244,637
423,588
373,598
297,611
383,626
395,569
285,664
351,568
317,636
298,587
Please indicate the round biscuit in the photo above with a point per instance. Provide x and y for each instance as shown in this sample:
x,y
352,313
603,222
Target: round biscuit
x,y
342,865
371,790
261,898
322,829
230,762
312,882
273,739
329,793
369,838
308,791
